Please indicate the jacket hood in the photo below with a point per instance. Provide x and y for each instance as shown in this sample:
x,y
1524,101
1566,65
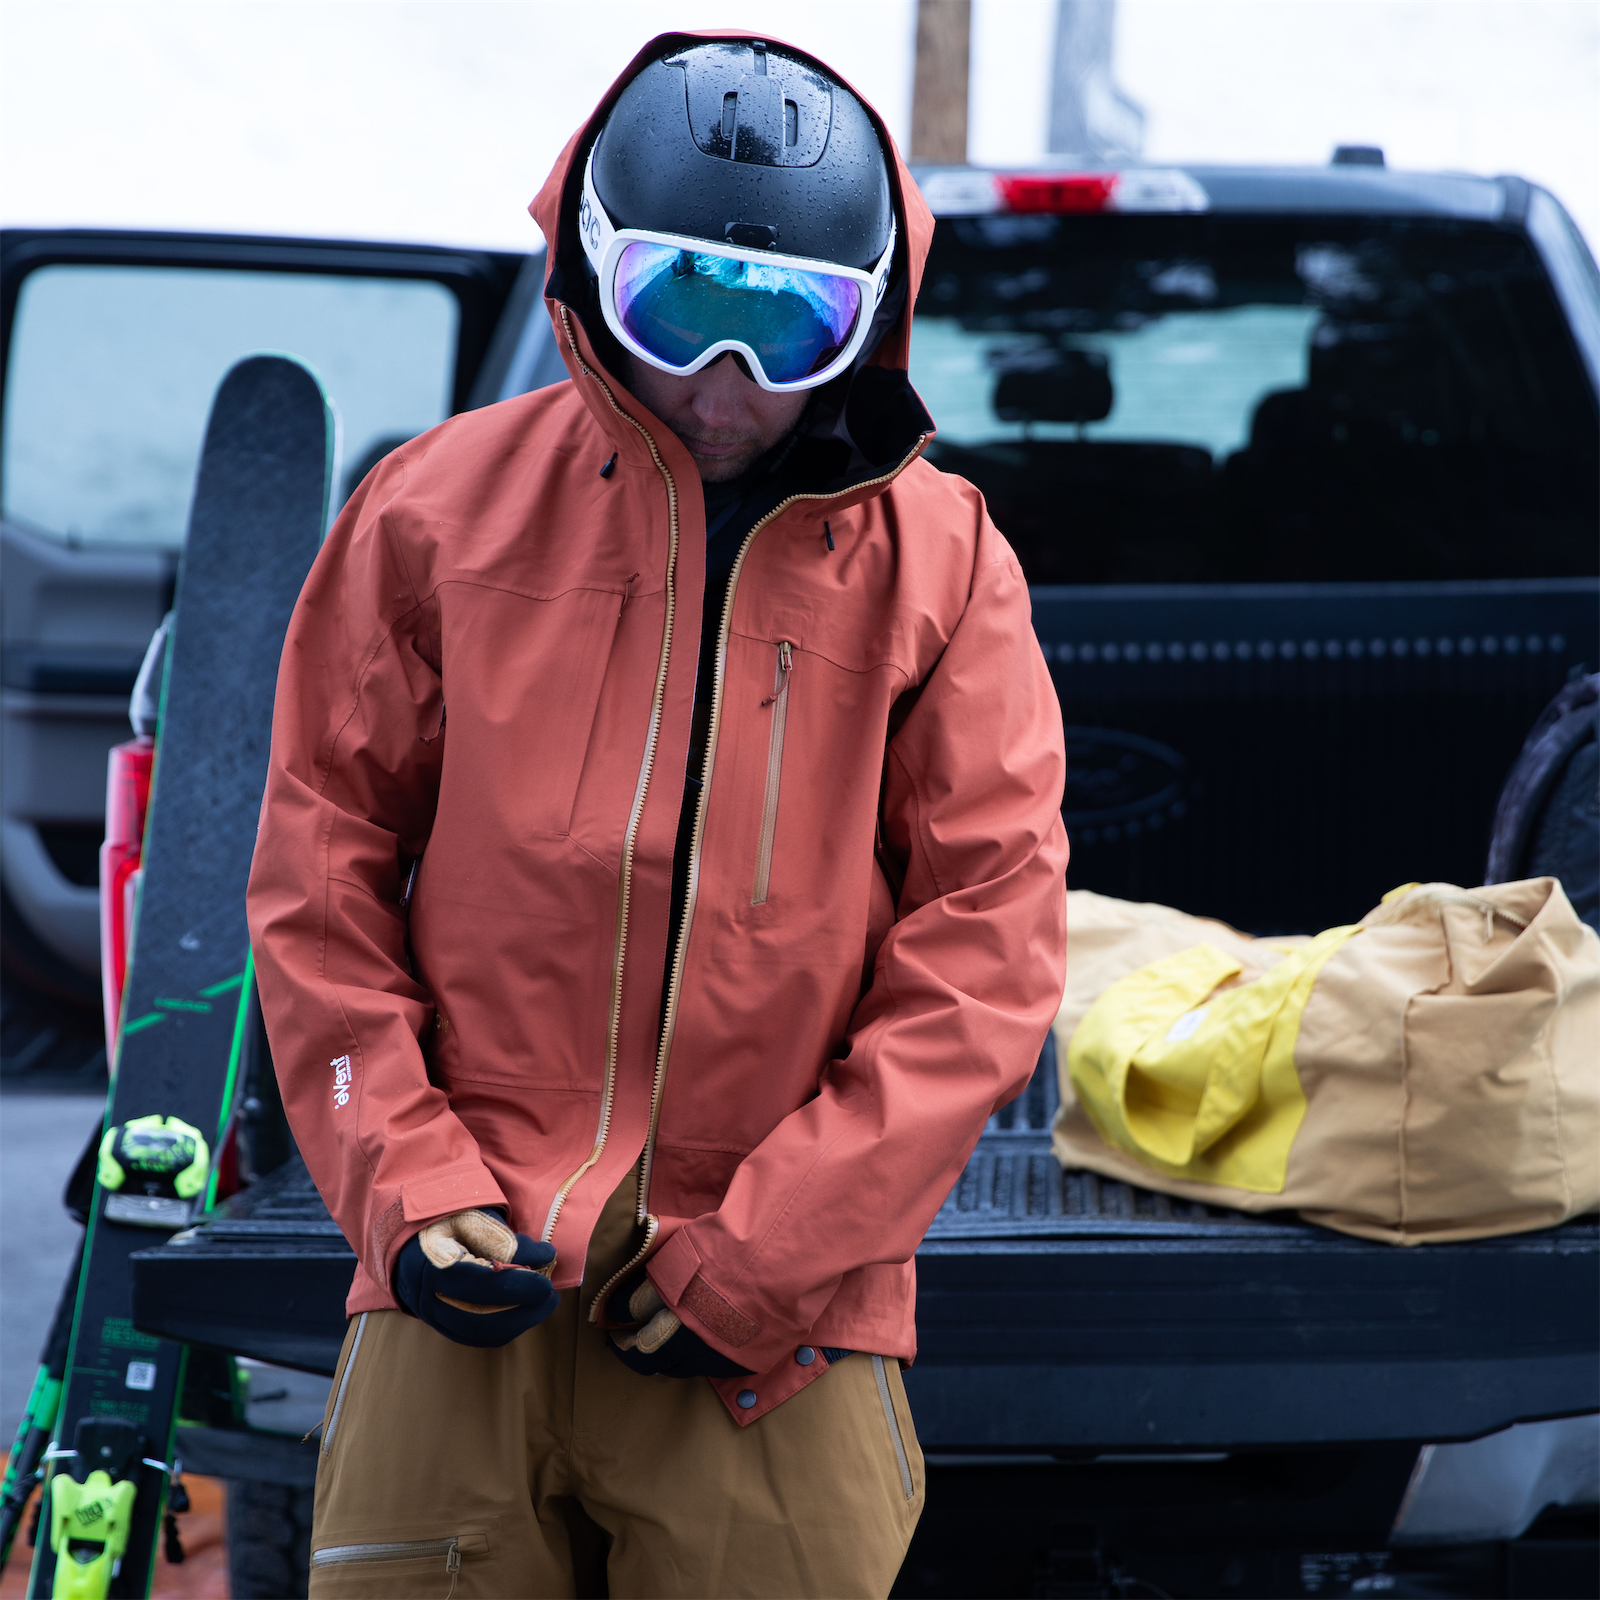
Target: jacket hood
x,y
877,412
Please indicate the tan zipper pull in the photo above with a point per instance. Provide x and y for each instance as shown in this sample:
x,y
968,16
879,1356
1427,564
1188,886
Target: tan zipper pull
x,y
785,667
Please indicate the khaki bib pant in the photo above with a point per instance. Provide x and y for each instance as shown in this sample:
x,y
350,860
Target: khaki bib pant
x,y
548,1468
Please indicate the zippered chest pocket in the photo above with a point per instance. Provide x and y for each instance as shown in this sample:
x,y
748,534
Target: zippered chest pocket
x,y
779,703
377,1562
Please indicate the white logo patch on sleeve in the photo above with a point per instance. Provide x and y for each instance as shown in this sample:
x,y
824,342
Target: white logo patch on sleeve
x,y
341,1080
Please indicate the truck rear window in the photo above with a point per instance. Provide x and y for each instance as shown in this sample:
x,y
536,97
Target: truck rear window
x,y
1161,399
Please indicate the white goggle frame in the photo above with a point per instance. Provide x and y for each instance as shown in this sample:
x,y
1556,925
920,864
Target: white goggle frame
x,y
604,244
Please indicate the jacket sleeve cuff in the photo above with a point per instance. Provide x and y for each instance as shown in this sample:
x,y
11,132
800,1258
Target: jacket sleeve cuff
x,y
438,1195
441,1193
675,1270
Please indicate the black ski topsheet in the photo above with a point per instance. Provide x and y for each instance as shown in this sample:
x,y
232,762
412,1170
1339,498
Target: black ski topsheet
x,y
259,511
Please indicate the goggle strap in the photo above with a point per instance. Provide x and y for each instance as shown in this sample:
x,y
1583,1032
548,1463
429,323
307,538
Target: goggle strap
x,y
596,232
594,226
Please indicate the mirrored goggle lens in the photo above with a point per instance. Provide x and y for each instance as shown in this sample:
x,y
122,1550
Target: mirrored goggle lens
x,y
679,303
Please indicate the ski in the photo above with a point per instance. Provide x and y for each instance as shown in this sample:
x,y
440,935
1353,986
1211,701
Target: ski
x,y
259,510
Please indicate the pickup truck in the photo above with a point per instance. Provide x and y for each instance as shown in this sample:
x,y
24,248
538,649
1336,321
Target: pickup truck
x,y
1302,467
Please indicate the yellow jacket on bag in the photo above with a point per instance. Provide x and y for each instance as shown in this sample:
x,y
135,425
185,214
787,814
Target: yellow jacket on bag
x,y
1429,1073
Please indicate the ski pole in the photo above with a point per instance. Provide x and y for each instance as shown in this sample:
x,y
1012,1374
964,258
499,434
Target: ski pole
x,y
39,1416
22,1470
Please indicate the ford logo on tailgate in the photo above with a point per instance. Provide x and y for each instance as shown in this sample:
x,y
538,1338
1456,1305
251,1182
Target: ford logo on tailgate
x,y
1120,785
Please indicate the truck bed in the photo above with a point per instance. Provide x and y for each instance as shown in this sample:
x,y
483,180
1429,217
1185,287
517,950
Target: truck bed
x,y
1064,1314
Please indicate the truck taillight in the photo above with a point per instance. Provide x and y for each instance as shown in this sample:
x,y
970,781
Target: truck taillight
x,y
127,799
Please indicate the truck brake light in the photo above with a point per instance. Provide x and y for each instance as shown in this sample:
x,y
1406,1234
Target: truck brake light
x,y
1064,192
970,191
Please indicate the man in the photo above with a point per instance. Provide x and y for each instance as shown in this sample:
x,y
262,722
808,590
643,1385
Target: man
x,y
660,882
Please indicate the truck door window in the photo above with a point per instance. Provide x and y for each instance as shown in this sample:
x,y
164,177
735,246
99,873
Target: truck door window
x,y
1230,398
112,370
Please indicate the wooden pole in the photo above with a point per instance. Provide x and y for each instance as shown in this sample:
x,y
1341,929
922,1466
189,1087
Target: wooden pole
x,y
939,93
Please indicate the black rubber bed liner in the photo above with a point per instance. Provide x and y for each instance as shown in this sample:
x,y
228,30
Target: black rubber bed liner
x,y
1067,1314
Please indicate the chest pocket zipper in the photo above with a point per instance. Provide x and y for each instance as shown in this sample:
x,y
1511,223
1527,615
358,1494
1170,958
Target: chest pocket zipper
x,y
779,701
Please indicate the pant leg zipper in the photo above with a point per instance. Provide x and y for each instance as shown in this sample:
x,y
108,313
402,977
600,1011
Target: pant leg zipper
x,y
344,1383
880,1372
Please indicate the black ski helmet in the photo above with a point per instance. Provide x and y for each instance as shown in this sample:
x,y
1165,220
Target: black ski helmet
x,y
738,143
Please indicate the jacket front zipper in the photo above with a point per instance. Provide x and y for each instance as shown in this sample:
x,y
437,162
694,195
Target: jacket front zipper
x,y
625,877
769,804
675,979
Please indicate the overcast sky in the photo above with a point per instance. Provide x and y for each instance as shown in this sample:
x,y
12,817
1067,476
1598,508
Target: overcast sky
x,y
436,120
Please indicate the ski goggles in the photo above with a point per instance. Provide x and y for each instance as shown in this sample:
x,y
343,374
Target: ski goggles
x,y
679,303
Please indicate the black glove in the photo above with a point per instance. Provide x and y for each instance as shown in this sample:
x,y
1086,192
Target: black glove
x,y
655,1341
473,1279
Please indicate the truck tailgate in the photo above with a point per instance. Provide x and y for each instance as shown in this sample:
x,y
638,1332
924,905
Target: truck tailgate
x,y
1059,1311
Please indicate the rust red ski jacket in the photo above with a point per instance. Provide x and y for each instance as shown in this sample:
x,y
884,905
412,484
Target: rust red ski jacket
x,y
492,669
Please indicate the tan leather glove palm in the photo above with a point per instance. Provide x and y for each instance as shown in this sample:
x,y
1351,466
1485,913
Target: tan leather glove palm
x,y
477,1237
474,1280
653,1340
646,1306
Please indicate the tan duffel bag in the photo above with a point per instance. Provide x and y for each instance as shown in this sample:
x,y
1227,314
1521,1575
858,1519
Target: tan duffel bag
x,y
1429,1073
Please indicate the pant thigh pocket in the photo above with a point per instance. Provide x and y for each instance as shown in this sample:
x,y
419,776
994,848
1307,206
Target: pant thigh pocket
x,y
371,1569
